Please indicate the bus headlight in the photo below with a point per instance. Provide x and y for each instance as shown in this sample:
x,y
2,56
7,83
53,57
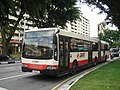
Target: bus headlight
x,y
51,67
24,65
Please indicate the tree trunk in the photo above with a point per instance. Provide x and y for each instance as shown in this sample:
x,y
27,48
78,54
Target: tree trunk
x,y
5,42
6,47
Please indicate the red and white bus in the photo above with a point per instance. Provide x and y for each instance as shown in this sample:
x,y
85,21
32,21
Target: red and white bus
x,y
57,52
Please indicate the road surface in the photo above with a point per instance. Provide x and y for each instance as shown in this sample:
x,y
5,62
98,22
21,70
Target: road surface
x,y
12,78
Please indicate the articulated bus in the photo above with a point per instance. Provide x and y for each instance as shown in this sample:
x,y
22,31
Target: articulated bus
x,y
53,51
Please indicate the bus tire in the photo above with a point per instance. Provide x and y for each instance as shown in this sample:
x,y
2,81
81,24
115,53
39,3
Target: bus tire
x,y
74,69
105,58
95,62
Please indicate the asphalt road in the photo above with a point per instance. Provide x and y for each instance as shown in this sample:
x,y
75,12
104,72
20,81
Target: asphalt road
x,y
12,78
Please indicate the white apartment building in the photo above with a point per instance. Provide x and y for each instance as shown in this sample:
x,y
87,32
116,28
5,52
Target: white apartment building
x,y
80,26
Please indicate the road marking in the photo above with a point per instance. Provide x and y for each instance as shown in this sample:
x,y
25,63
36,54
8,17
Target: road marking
x,y
75,79
63,82
3,88
15,76
11,68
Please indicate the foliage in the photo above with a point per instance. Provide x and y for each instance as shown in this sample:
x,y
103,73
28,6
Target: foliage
x,y
111,36
56,13
110,7
7,9
41,13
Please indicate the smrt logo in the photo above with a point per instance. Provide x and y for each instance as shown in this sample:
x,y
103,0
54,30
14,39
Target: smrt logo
x,y
80,55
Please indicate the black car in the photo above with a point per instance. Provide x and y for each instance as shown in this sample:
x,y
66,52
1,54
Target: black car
x,y
4,57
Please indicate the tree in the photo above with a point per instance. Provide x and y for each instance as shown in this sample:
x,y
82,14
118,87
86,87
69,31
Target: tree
x,y
57,13
111,36
110,7
7,9
42,13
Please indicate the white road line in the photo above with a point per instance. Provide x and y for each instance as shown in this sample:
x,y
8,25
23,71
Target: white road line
x,y
3,88
11,68
15,76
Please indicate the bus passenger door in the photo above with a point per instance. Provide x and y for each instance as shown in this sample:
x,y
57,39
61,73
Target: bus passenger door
x,y
64,54
99,51
90,53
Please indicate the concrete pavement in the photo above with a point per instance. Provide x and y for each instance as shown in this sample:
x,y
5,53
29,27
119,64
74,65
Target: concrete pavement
x,y
10,61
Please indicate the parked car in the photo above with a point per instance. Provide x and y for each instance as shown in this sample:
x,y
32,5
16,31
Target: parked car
x,y
114,52
4,57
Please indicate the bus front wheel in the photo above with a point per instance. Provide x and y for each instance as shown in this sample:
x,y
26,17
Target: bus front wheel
x,y
74,69
95,62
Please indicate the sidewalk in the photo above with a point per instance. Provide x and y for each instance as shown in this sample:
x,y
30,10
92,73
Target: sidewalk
x,y
10,61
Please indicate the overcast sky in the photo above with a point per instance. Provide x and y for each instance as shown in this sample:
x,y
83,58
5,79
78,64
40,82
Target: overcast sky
x,y
95,19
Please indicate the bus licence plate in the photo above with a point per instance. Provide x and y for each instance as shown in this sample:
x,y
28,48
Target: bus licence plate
x,y
36,72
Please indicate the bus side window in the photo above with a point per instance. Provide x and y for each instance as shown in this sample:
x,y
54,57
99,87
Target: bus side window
x,y
61,50
71,47
61,53
73,44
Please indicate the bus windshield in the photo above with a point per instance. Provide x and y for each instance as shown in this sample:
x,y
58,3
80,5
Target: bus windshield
x,y
38,44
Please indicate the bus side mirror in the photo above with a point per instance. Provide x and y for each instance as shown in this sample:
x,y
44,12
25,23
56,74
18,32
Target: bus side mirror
x,y
55,56
54,39
55,47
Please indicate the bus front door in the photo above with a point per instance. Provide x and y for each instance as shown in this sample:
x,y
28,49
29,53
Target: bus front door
x,y
64,54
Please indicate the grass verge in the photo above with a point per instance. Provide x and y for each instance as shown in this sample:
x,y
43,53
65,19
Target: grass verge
x,y
104,78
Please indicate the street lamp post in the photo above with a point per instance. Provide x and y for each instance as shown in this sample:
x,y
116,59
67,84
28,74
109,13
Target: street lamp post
x,y
25,21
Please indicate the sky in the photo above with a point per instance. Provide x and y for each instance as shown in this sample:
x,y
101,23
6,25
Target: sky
x,y
94,18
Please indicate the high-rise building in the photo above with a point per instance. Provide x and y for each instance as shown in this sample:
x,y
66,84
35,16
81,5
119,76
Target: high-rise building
x,y
80,26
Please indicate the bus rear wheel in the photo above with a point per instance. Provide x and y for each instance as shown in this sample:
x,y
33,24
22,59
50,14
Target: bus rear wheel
x,y
106,58
74,69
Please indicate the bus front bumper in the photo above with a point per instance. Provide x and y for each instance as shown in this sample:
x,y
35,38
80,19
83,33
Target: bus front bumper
x,y
46,71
